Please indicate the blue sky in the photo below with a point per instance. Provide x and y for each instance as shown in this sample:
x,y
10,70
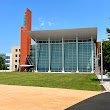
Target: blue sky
x,y
51,14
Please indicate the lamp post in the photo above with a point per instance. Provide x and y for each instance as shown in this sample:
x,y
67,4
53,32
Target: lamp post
x,y
101,63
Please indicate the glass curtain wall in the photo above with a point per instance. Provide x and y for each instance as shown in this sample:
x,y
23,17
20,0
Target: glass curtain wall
x,y
42,57
84,57
32,54
70,56
56,57
70,63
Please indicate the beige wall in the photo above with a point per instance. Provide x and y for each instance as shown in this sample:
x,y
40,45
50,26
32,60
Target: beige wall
x,y
15,57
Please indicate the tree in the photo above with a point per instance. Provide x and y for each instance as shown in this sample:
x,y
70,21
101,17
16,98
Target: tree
x,y
106,54
108,31
2,64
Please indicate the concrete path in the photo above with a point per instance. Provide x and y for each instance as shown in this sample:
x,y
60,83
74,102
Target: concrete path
x,y
106,81
40,98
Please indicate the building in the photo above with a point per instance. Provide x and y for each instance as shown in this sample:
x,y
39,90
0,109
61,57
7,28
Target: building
x,y
8,60
15,58
64,50
12,59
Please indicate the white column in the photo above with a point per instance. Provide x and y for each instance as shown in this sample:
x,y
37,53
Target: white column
x,y
92,55
77,54
36,54
49,53
95,59
62,55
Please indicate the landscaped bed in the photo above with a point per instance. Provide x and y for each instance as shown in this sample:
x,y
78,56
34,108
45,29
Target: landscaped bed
x,y
53,80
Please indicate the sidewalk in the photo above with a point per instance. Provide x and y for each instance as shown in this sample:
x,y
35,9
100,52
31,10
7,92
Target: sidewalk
x,y
106,81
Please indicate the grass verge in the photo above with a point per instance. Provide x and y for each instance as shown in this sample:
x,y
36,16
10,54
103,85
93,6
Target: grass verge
x,y
53,80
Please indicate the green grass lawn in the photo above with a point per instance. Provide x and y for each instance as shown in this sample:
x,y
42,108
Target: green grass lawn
x,y
53,80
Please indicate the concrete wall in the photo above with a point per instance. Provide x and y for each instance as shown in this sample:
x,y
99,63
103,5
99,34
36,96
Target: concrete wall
x,y
15,57
5,70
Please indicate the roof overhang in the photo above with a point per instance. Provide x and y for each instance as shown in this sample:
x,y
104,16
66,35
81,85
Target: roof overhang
x,y
81,33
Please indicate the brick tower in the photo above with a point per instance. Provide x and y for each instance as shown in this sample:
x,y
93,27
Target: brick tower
x,y
25,38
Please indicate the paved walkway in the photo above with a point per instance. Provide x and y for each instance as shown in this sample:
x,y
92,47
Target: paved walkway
x,y
106,81
40,98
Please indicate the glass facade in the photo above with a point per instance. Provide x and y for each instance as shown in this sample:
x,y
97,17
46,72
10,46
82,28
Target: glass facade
x,y
70,60
84,57
42,57
56,57
70,63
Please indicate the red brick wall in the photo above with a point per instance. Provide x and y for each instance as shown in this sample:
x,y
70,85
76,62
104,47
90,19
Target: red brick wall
x,y
25,39
98,47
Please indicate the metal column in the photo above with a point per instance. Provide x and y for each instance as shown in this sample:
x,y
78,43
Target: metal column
x,y
36,54
92,55
49,53
77,54
62,55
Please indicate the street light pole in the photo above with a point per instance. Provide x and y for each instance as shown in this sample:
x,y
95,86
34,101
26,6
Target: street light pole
x,y
101,63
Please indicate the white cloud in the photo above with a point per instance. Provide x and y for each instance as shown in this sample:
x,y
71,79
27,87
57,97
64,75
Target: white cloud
x,y
42,24
50,23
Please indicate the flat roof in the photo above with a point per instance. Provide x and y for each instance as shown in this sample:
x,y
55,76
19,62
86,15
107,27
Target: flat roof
x,y
81,33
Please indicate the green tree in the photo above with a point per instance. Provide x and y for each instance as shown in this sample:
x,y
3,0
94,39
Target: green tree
x,y
2,64
106,54
108,31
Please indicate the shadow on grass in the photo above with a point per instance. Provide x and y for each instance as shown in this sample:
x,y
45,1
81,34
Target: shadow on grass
x,y
98,102
105,79
94,79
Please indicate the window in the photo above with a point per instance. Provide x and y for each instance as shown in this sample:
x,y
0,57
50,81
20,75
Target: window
x,y
7,57
16,50
7,61
19,55
15,66
8,65
19,50
15,60
16,55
